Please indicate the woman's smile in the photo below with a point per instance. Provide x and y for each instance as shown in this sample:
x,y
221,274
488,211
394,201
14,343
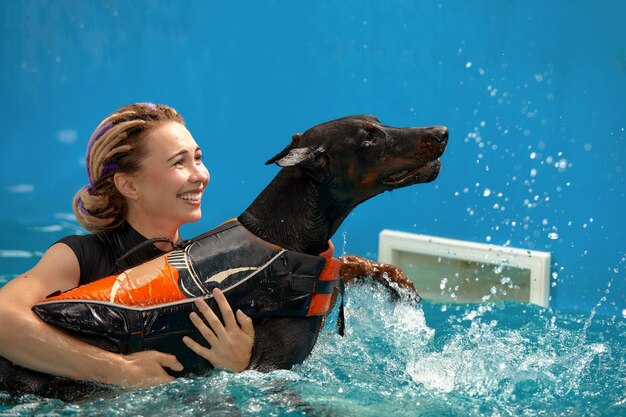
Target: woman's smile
x,y
193,197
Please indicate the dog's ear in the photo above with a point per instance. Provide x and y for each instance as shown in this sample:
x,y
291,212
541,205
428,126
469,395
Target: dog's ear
x,y
282,154
314,161
304,157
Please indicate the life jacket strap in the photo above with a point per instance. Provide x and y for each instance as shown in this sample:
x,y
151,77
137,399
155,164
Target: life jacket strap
x,y
313,285
320,302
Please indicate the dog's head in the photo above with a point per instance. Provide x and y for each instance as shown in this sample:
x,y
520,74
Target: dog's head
x,y
357,157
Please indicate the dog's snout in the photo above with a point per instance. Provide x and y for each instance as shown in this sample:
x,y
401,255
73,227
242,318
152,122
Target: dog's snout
x,y
440,133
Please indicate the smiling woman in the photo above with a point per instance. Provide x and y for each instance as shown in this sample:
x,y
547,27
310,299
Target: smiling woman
x,y
146,179
167,192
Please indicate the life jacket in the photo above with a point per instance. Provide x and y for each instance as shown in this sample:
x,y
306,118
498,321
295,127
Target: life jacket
x,y
148,306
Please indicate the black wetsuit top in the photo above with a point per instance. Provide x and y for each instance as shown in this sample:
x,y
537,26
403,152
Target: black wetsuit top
x,y
97,255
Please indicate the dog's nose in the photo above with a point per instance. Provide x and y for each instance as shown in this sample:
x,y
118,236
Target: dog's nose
x,y
440,133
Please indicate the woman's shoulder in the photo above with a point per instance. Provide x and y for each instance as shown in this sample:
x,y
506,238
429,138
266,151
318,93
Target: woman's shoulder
x,y
100,241
97,253
106,253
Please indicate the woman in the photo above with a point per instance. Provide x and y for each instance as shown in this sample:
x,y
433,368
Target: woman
x,y
146,179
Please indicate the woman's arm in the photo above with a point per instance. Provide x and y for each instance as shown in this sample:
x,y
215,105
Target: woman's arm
x,y
28,341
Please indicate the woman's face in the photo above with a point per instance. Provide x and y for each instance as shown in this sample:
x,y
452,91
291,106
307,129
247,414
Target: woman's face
x,y
173,177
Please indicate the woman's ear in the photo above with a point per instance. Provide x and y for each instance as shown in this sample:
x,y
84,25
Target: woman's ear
x,y
125,185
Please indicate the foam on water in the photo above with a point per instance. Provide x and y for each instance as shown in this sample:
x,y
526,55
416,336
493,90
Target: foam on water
x,y
399,358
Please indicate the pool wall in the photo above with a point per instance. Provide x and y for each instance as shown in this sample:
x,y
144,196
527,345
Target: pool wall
x,y
534,94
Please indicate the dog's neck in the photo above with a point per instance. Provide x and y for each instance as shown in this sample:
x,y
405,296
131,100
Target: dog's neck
x,y
295,212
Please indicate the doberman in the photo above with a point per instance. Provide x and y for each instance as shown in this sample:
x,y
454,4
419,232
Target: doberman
x,y
326,172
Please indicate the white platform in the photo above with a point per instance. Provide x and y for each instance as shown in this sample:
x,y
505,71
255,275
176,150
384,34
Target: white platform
x,y
450,270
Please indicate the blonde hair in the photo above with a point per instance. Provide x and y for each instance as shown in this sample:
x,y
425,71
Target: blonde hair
x,y
116,146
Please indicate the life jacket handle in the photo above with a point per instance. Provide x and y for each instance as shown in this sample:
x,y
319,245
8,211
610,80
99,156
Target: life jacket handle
x,y
118,262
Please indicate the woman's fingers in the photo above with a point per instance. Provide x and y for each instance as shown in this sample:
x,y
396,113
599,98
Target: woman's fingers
x,y
230,343
246,323
204,330
216,325
200,350
169,361
227,312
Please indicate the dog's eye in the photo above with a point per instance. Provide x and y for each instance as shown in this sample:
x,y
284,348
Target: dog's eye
x,y
369,127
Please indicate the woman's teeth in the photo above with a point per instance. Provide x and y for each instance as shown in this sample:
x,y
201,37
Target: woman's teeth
x,y
191,197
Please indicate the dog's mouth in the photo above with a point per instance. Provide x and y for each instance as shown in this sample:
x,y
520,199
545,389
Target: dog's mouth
x,y
425,173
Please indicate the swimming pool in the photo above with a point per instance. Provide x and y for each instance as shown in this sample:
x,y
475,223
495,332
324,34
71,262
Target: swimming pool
x,y
397,359
533,94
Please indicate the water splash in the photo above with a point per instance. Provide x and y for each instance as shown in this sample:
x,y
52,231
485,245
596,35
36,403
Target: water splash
x,y
400,359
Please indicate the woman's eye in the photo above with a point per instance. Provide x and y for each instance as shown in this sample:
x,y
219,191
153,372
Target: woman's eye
x,y
198,158
178,163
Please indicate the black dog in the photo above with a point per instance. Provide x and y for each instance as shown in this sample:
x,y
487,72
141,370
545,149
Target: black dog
x,y
327,171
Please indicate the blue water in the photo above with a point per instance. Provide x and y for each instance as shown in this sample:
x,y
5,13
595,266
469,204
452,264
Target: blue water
x,y
397,359
533,92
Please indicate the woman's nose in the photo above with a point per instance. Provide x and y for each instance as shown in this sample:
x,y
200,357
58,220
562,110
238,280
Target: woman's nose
x,y
200,174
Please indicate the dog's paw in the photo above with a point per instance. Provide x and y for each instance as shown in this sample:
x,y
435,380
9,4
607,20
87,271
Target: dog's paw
x,y
394,278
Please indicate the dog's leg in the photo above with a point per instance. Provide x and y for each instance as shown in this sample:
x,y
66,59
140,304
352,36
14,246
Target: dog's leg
x,y
354,267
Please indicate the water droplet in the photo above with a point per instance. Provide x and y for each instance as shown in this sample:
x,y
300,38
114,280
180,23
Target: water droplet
x,y
487,192
553,236
442,284
468,64
67,136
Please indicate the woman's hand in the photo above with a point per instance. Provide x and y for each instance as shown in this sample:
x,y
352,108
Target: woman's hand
x,y
231,345
144,369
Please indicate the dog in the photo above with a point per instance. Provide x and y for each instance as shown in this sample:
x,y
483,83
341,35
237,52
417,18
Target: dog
x,y
326,172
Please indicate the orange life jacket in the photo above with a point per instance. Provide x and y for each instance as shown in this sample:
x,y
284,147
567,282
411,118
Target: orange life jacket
x,y
148,306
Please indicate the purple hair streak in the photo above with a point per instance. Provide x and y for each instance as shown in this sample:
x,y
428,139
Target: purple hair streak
x,y
81,207
93,140
151,106
110,167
